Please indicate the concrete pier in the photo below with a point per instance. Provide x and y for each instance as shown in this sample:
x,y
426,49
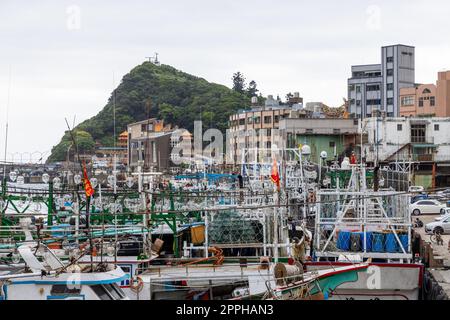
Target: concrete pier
x,y
437,259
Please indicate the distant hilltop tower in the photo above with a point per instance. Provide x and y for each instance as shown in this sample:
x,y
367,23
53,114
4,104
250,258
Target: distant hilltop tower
x,y
154,59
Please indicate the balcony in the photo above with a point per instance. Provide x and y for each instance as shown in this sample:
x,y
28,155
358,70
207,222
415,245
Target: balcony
x,y
422,140
423,157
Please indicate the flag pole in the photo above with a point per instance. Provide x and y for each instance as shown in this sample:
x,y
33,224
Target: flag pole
x,y
88,196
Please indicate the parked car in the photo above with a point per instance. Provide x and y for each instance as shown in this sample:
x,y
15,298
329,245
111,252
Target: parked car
x,y
422,196
416,189
427,207
442,226
444,215
445,192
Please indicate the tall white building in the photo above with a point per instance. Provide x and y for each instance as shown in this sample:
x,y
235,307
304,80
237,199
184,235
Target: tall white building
x,y
398,72
376,87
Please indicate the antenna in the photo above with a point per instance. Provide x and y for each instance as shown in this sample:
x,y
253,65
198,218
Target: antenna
x,y
154,59
7,124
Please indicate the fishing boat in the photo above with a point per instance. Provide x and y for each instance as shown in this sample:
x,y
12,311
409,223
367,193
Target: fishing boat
x,y
355,223
316,285
51,279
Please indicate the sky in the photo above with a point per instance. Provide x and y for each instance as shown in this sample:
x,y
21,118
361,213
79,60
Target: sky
x,y
62,59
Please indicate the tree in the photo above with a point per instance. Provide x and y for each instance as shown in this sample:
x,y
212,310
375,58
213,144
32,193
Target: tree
x,y
251,90
85,144
238,82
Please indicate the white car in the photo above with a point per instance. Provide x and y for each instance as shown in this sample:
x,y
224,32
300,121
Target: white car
x,y
427,206
444,215
416,189
442,226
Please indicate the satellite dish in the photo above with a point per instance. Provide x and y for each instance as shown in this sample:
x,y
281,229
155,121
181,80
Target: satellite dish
x,y
324,155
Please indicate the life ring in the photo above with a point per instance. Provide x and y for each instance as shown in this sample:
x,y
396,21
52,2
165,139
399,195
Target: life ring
x,y
136,285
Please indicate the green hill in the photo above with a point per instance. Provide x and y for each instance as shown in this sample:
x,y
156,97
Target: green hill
x,y
157,91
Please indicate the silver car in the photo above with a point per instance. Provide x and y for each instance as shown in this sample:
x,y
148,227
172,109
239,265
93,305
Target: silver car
x,y
442,226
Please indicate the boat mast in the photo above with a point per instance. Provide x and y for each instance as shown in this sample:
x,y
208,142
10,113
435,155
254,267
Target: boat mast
x,y
6,128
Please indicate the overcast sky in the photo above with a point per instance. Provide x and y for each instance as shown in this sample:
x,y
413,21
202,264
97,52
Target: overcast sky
x,y
63,54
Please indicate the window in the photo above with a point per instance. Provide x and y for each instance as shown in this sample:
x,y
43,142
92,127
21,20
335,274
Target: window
x,y
373,102
373,87
358,89
267,119
390,72
436,127
420,102
418,133
399,127
432,101
257,120
336,131
390,86
332,144
426,91
390,59
390,101
309,131
249,120
358,103
277,119
407,101
241,122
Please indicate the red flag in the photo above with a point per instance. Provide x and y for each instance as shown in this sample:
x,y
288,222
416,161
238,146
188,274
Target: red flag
x,y
275,177
87,184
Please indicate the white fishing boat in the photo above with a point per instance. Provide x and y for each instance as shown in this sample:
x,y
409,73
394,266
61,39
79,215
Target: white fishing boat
x,y
51,279
355,223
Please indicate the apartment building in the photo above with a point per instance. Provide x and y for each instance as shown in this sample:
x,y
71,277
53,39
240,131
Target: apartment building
x,y
427,99
376,87
256,128
421,143
150,145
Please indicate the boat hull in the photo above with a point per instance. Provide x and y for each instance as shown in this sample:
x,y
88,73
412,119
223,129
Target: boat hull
x,y
381,281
